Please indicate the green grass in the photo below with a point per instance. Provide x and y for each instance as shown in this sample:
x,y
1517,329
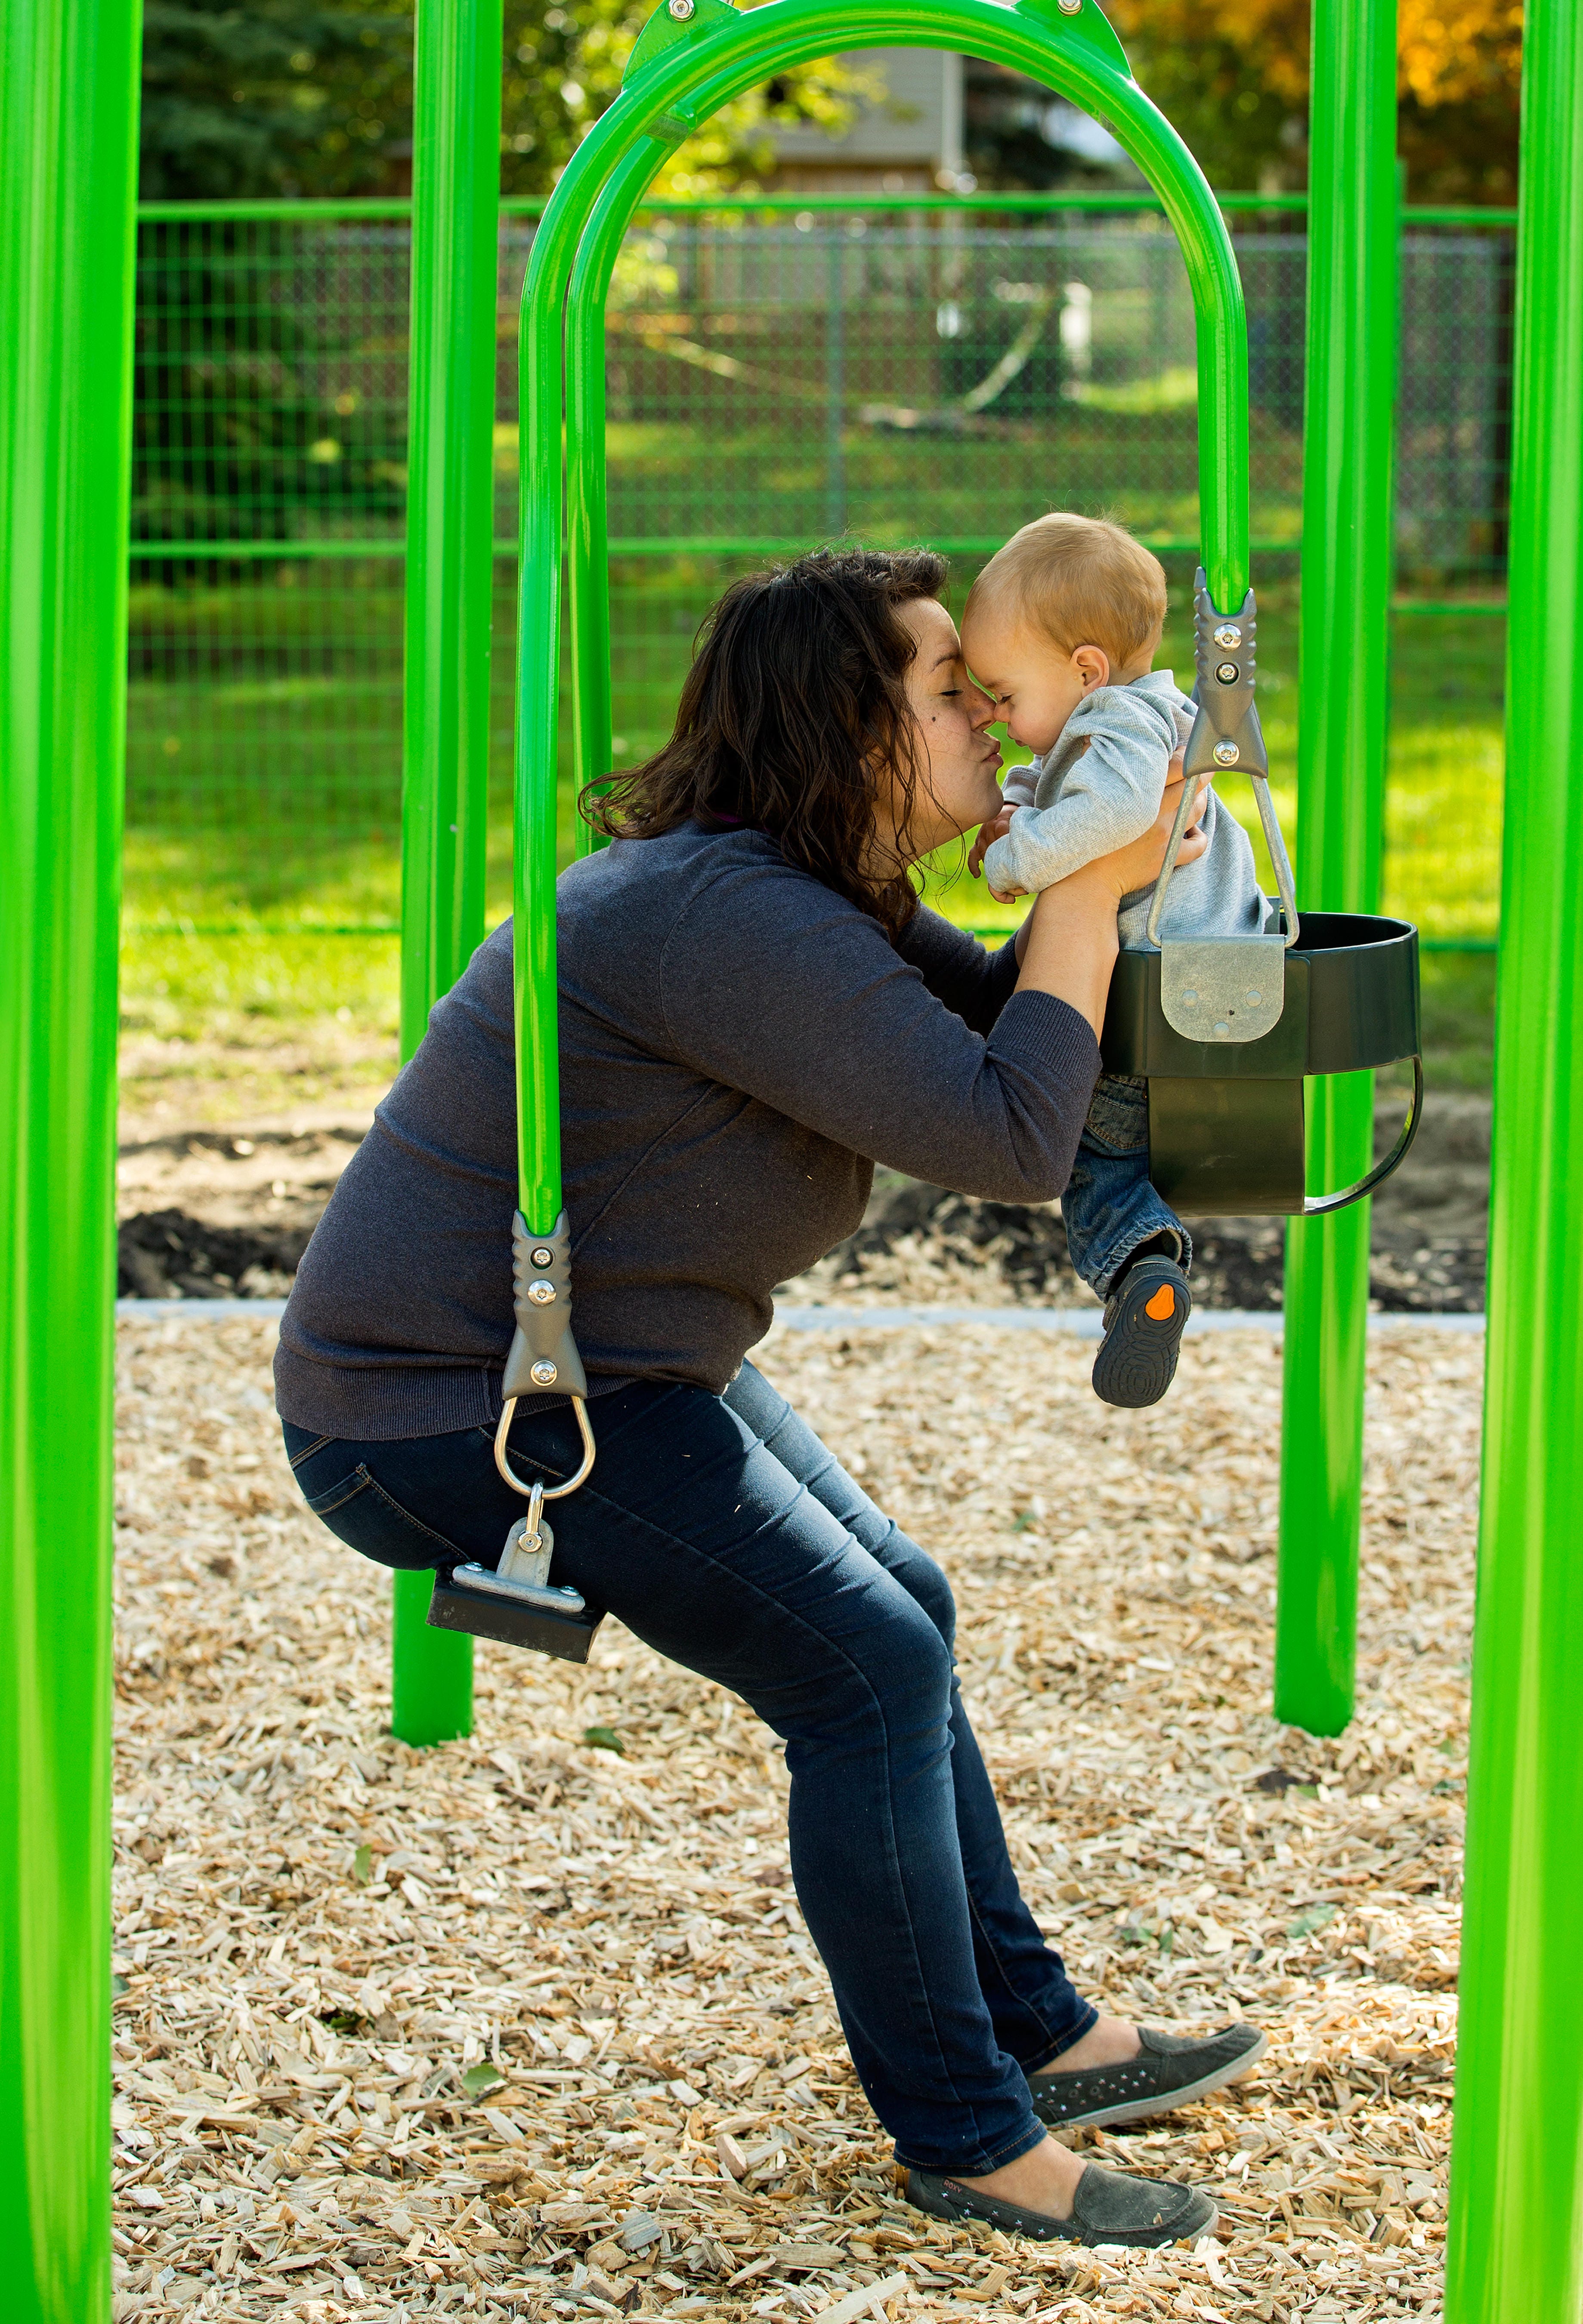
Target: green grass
x,y
264,788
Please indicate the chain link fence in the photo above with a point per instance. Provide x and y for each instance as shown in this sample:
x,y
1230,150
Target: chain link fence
x,y
774,379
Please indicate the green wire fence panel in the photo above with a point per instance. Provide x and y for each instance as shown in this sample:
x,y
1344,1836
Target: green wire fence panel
x,y
941,371
1050,351
791,380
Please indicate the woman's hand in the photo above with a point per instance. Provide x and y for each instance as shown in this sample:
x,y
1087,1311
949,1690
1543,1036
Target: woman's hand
x,y
988,834
1068,944
1138,865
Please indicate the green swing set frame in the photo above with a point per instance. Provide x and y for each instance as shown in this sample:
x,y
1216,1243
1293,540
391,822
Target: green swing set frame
x,y
68,154
1347,997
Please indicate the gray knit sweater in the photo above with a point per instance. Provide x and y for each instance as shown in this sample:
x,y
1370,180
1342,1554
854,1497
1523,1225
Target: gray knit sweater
x,y
739,1047
1099,788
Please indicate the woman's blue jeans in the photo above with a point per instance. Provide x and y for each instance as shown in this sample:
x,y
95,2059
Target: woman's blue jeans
x,y
722,1532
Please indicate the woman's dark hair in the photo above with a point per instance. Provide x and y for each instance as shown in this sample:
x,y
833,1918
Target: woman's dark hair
x,y
797,699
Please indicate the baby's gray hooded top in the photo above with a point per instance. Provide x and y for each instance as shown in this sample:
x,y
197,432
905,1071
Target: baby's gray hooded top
x,y
1075,804
739,1047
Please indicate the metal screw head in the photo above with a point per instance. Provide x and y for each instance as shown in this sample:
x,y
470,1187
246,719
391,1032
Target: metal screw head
x,y
1068,7
541,1294
1226,755
545,1372
1227,634
543,1257
1222,1029
681,10
1189,1000
1228,673
1254,998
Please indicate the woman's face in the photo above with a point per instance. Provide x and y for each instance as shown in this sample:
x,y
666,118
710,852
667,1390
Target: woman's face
x,y
959,765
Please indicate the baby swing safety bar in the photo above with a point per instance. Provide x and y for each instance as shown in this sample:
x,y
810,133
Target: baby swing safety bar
x,y
692,58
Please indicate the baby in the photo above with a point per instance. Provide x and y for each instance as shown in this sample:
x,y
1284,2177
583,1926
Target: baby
x,y
1061,628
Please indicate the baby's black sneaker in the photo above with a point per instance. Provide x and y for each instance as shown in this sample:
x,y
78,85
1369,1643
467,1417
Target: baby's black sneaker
x,y
1145,1318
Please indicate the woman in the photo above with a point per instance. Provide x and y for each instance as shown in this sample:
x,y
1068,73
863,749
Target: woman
x,y
753,1012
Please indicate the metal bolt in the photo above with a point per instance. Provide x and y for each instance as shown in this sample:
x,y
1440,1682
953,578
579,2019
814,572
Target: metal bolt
x,y
1226,755
681,10
1222,1029
545,1372
1189,1000
1227,634
1068,7
1228,673
541,1294
543,1257
1254,998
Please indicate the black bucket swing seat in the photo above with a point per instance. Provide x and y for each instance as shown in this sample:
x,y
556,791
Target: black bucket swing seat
x,y
1224,1030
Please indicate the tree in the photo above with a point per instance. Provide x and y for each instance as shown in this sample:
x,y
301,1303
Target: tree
x,y
278,96
299,97
305,98
1233,77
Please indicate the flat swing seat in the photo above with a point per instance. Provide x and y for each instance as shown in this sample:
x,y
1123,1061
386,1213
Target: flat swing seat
x,y
461,1602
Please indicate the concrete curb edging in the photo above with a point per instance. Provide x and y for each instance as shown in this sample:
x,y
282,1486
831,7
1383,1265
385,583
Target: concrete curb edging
x,y
1081,1323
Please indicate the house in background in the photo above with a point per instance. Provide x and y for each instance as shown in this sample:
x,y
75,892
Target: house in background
x,y
908,143
951,122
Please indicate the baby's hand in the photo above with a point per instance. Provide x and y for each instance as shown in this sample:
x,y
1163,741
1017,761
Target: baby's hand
x,y
988,834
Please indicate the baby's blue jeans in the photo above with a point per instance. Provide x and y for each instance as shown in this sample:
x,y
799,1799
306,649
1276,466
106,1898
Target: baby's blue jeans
x,y
1109,1207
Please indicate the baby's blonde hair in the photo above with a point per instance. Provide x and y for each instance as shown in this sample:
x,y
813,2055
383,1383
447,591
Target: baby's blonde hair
x,y
1078,581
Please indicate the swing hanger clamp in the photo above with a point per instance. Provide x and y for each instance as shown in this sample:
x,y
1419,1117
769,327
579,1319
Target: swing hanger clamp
x,y
1224,989
514,1602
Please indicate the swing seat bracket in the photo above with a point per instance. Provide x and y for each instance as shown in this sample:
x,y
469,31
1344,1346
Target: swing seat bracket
x,y
543,1354
1221,989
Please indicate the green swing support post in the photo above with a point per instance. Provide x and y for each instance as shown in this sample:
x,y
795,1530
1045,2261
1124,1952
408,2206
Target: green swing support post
x,y
1343,715
450,578
1515,2248
69,72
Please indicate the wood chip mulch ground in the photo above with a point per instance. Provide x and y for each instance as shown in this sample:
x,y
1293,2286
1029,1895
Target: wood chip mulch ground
x,y
529,2025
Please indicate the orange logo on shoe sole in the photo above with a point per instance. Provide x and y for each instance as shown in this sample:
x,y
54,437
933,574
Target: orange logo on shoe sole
x,y
1163,1305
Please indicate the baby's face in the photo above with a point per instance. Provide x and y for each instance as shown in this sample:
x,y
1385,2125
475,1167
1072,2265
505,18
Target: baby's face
x,y
1034,686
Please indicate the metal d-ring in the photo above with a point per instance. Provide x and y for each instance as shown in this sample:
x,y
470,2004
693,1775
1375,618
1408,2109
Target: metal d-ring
x,y
549,1492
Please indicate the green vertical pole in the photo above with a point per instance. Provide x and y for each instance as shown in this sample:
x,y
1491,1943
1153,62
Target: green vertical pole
x,y
450,574
835,382
1344,642
68,75
1517,2228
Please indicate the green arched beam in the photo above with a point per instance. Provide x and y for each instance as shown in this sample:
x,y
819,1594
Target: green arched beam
x,y
680,74
587,530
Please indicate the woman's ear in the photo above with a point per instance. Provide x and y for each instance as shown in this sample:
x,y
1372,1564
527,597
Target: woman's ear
x,y
1092,665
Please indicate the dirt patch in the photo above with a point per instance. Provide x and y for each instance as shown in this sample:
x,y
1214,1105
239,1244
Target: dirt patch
x,y
166,1255
920,1243
210,1213
237,1210
235,1074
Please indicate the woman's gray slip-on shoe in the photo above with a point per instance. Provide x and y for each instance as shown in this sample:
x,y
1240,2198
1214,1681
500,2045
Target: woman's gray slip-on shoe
x,y
1170,2070
1109,2207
